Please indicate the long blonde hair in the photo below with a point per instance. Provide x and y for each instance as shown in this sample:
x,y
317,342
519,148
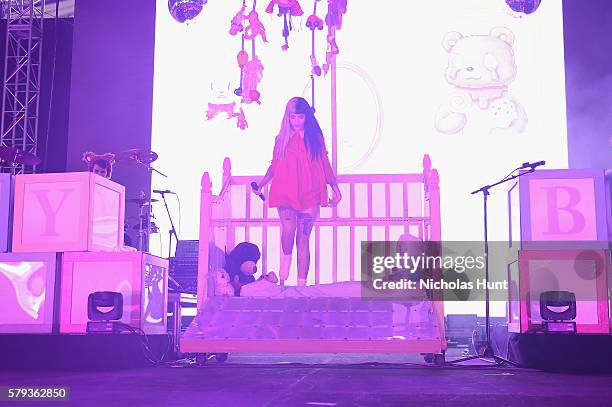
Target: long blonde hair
x,y
313,136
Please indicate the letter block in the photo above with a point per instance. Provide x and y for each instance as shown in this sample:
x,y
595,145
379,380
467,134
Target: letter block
x,y
551,209
27,292
584,272
141,278
67,212
6,209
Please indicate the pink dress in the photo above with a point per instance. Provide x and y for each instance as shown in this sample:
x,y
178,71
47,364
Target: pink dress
x,y
299,182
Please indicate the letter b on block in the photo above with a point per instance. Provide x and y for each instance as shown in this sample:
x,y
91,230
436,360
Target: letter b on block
x,y
562,209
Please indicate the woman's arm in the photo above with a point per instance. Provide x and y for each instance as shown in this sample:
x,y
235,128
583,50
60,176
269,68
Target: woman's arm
x,y
330,177
267,177
270,172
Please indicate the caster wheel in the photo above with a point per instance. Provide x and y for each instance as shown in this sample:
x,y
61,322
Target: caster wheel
x,y
221,357
201,359
428,357
439,359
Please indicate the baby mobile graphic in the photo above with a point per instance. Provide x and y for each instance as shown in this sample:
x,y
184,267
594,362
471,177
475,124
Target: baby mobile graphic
x,y
251,71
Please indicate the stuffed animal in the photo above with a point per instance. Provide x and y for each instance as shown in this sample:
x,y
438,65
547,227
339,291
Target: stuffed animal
x,y
222,285
481,69
241,265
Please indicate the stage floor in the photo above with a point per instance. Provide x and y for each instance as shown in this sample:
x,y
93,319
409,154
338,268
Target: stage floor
x,y
259,380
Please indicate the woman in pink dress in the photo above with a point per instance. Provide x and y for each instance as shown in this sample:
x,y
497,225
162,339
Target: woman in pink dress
x,y
300,172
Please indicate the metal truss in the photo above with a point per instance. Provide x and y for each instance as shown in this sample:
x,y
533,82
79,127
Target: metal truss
x,y
22,71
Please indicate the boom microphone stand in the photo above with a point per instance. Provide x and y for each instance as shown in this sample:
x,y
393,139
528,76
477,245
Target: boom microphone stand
x,y
172,230
146,162
488,352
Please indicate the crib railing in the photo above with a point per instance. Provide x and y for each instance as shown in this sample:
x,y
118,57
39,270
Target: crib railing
x,y
374,207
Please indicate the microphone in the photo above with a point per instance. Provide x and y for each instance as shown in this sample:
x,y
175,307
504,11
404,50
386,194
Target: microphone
x,y
531,166
260,194
167,191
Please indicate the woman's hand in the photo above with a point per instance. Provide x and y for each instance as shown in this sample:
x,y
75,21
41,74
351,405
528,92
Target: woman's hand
x,y
255,188
336,197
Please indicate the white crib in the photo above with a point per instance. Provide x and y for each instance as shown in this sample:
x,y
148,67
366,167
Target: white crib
x,y
374,207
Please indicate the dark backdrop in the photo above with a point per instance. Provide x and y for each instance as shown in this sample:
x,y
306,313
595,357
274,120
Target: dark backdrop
x,y
588,73
111,95
54,90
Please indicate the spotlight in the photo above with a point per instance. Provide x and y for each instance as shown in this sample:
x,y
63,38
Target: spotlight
x,y
558,311
104,321
523,6
183,10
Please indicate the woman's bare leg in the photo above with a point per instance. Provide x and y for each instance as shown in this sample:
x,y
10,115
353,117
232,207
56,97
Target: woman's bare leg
x,y
288,221
305,224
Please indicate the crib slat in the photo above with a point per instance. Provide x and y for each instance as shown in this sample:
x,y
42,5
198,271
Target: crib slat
x,y
369,210
387,208
352,232
335,253
264,239
352,253
264,251
405,205
369,216
317,256
247,211
369,200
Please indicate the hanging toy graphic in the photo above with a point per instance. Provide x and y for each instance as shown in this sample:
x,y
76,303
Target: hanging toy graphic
x,y
255,27
223,104
252,74
229,109
335,11
287,9
238,21
241,122
314,23
251,71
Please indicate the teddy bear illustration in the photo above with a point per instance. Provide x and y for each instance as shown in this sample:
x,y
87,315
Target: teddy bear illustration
x,y
480,69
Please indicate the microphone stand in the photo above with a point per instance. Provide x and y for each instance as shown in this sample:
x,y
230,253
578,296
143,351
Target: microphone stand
x,y
149,168
488,351
172,230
